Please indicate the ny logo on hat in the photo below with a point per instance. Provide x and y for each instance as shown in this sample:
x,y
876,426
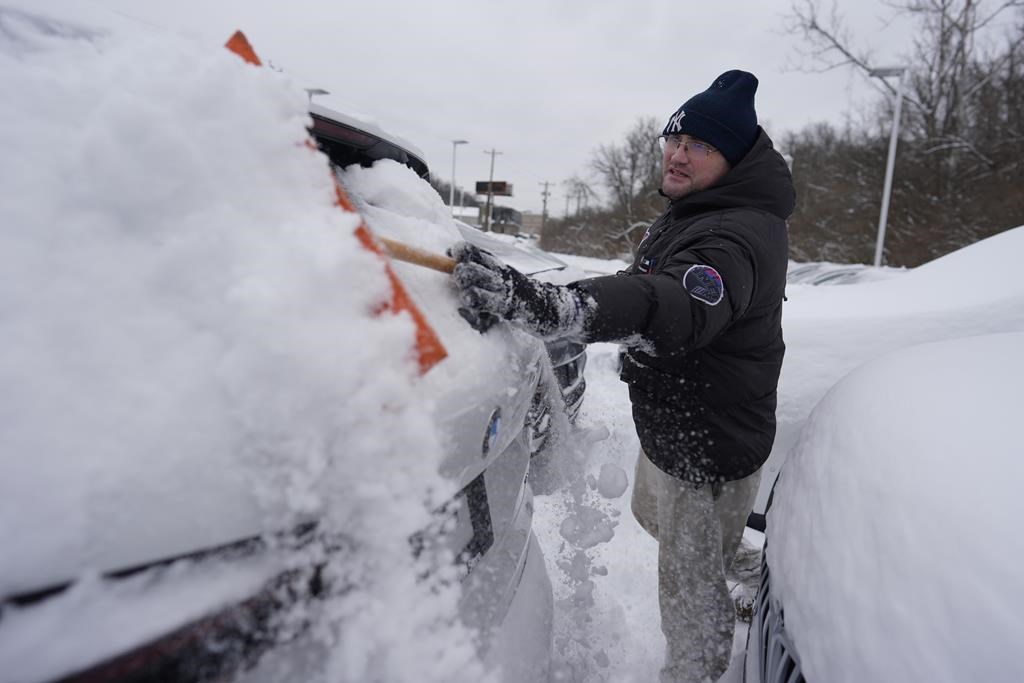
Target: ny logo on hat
x,y
676,122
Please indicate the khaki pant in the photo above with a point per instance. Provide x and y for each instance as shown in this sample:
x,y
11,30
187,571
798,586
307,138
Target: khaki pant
x,y
698,534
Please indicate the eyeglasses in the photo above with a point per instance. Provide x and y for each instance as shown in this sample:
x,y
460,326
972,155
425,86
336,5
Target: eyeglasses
x,y
693,148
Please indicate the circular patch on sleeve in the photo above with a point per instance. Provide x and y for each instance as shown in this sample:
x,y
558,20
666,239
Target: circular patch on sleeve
x,y
704,284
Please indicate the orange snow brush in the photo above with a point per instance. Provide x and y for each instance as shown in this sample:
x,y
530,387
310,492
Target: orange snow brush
x,y
429,349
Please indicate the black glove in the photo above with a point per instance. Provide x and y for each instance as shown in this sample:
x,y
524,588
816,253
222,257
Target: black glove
x,y
488,290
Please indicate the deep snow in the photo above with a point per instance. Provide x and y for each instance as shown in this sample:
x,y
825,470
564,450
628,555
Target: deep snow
x,y
190,352
893,541
602,563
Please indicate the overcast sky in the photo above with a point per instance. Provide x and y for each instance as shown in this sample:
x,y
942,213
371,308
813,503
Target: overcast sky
x,y
543,82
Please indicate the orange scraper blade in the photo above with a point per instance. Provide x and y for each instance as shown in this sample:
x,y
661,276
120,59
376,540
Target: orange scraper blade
x,y
239,44
429,349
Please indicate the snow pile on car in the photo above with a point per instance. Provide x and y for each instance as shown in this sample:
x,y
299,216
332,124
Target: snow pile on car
x,y
893,539
974,290
189,352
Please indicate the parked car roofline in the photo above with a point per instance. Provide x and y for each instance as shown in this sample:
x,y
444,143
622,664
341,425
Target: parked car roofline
x,y
332,125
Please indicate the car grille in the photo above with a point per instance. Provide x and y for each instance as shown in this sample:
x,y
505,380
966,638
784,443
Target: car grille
x,y
568,360
771,657
570,380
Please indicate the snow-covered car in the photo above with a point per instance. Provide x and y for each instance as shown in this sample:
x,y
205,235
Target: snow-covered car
x,y
348,140
216,459
824,273
893,546
894,411
830,330
568,357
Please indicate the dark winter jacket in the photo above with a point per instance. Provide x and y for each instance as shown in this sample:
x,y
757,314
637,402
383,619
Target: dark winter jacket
x,y
700,311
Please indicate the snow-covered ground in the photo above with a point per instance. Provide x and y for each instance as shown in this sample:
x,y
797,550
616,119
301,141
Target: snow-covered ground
x,y
603,565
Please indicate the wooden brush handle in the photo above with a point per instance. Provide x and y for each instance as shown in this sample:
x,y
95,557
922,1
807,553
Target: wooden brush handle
x,y
410,254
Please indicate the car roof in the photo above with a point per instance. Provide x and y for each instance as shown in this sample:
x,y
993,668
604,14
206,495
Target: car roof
x,y
347,139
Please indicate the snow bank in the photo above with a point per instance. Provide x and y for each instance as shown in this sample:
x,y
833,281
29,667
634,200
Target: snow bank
x,y
188,354
893,538
982,274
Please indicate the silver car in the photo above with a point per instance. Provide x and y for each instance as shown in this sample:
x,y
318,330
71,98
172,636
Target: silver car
x,y
891,533
221,598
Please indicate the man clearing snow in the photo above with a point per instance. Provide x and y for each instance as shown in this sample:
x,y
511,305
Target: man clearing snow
x,y
699,312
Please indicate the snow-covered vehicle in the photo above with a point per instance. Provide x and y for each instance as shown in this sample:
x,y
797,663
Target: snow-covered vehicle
x,y
892,542
830,330
214,464
568,358
890,530
348,140
824,273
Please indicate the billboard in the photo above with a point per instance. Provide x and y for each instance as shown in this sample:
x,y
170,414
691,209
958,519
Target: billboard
x,y
499,188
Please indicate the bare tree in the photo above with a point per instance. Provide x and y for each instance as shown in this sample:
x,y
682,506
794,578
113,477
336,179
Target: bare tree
x,y
631,171
443,188
944,61
578,190
960,159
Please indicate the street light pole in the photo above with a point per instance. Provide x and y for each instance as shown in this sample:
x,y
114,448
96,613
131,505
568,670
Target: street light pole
x,y
490,191
890,163
451,190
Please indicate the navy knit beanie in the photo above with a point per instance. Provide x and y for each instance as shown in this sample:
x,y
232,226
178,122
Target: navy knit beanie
x,y
723,116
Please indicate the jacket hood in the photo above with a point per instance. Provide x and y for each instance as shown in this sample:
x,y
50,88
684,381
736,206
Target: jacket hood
x,y
761,180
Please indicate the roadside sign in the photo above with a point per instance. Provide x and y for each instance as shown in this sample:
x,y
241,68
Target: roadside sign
x,y
498,188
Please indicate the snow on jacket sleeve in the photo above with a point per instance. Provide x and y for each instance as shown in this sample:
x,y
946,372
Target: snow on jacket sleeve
x,y
674,309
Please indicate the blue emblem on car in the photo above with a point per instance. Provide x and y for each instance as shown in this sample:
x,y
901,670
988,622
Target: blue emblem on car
x,y
491,435
704,284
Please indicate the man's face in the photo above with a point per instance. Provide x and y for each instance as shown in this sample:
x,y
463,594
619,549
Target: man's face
x,y
689,165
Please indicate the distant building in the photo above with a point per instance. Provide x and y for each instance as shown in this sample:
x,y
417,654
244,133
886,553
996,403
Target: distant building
x,y
506,220
532,223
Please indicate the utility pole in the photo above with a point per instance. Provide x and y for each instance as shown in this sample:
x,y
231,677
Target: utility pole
x,y
490,191
575,189
578,190
544,212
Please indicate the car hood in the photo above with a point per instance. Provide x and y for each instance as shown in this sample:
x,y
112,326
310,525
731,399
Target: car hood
x,y
522,256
